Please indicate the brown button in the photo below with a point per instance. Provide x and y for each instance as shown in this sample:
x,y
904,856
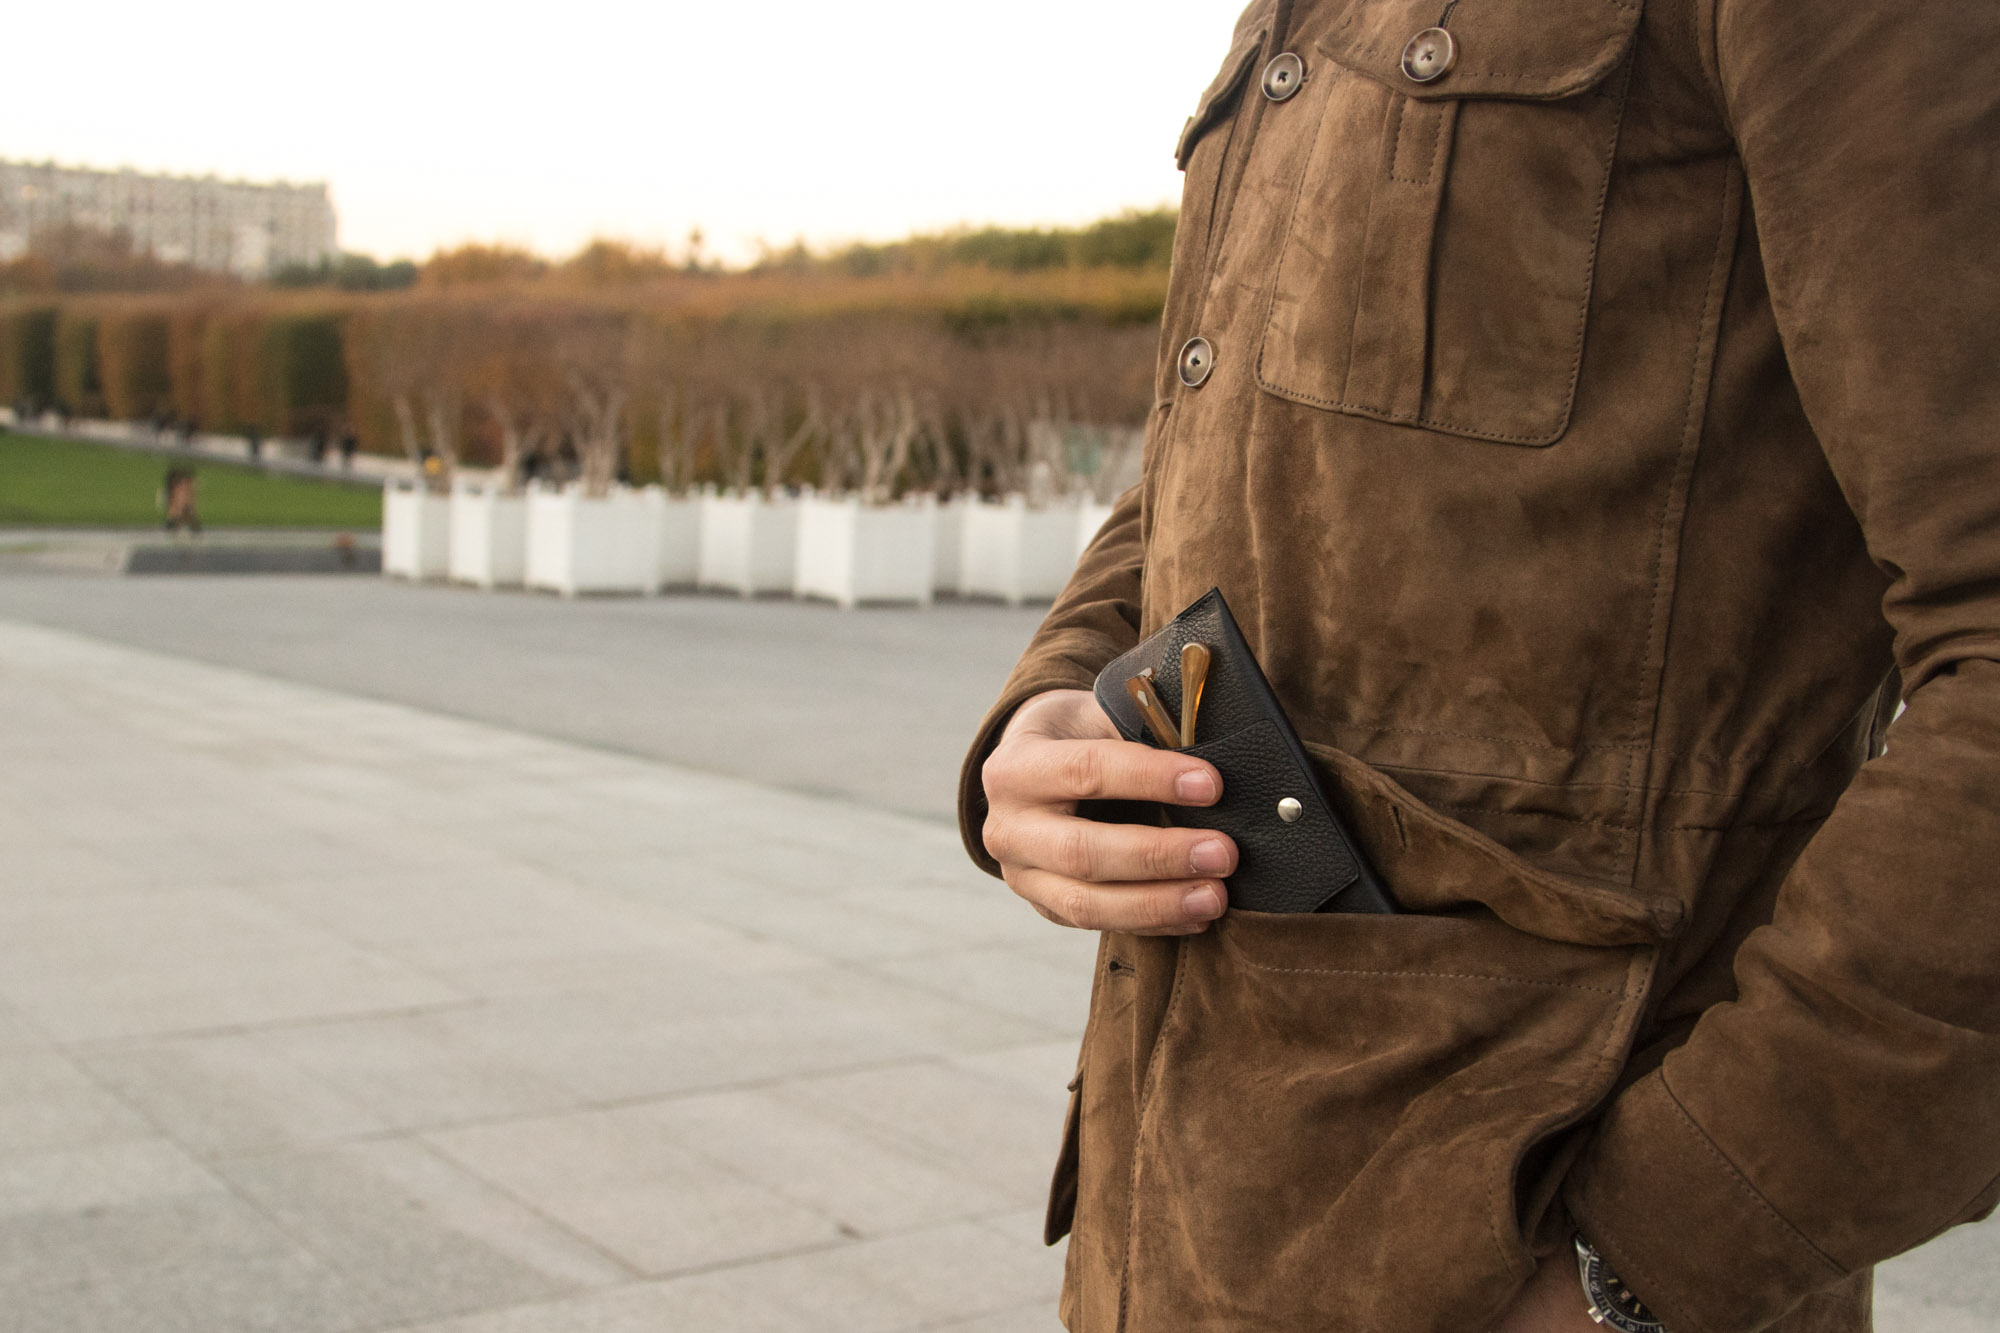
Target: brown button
x,y
1196,361
1283,76
1430,56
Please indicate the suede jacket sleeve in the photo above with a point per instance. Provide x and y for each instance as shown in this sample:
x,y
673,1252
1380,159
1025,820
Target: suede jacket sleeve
x,y
1094,620
1846,1106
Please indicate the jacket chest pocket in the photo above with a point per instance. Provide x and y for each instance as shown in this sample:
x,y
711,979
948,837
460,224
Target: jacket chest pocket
x,y
1437,268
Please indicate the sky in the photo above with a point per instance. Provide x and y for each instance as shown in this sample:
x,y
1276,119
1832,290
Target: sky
x,y
547,124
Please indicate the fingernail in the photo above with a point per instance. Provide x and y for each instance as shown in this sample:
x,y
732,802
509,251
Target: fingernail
x,y
1195,787
1210,858
1202,904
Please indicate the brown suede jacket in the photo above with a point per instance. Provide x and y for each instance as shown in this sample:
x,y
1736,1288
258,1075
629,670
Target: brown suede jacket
x,y
1601,437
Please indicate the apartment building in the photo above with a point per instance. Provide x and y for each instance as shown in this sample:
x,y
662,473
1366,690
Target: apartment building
x,y
226,226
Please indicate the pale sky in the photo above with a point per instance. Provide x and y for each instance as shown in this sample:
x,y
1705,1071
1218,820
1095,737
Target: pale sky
x,y
546,124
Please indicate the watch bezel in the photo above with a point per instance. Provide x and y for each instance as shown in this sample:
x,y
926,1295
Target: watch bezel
x,y
1599,1285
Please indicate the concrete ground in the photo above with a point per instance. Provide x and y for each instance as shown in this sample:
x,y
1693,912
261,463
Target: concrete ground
x,y
388,958
875,706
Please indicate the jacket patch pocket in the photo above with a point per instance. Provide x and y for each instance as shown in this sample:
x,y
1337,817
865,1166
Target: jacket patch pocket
x,y
1438,264
1328,1089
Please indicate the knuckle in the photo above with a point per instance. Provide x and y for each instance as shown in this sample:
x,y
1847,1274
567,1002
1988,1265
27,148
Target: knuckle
x,y
998,770
1078,906
997,834
1162,910
1076,852
1167,858
1081,771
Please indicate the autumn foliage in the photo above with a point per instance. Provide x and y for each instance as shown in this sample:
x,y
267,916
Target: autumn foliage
x,y
870,370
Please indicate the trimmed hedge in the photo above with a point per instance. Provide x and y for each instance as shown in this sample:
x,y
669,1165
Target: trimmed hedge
x,y
133,364
79,387
28,354
703,370
303,373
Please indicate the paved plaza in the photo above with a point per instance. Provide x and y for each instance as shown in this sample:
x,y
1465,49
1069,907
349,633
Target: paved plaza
x,y
388,958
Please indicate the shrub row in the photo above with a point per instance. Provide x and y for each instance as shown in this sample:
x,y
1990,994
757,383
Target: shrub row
x,y
758,378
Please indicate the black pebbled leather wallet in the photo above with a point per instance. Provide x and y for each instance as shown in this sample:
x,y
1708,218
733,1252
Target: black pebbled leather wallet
x,y
1294,854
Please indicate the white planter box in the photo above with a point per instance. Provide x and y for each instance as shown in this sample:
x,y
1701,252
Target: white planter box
x,y
1015,553
416,533
576,545
489,538
680,540
1090,520
849,553
749,544
950,543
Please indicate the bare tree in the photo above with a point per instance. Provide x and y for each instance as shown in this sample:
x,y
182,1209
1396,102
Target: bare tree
x,y
594,351
414,354
679,419
770,429
514,381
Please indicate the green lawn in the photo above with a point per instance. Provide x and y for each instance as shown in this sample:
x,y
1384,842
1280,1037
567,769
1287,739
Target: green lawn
x,y
63,483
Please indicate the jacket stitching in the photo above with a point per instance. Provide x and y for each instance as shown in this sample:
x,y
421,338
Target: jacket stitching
x,y
1801,821
1430,154
1597,239
1375,199
1432,976
1730,1169
1618,1035
1533,814
1796,821
1729,792
1733,826
1503,740
1673,513
1707,757
1152,1078
1285,248
1530,782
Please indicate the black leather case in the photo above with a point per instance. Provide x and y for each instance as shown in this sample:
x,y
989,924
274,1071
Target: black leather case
x,y
1309,865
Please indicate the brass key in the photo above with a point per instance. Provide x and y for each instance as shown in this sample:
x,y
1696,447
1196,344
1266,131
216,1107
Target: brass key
x,y
1158,720
1194,675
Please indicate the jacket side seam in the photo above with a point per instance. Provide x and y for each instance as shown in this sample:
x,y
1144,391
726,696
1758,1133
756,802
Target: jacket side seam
x,y
1673,515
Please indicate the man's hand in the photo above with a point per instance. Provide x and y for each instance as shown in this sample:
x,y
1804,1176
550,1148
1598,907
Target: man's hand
x,y
1552,1302
1059,749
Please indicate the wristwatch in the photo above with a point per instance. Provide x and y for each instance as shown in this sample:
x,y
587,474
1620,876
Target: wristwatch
x,y
1611,1301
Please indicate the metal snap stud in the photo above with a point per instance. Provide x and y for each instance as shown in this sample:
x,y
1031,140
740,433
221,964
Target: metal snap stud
x,y
1430,55
1290,810
1283,76
1197,359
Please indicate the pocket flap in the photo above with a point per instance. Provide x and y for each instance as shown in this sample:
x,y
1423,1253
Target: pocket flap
x,y
1221,94
1532,51
1435,865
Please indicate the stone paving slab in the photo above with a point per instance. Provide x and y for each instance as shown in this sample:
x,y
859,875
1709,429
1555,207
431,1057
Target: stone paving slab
x,y
319,1013
876,706
328,1015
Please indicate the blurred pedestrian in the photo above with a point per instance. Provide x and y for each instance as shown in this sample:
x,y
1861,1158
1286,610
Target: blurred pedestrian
x,y
253,440
177,497
348,445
